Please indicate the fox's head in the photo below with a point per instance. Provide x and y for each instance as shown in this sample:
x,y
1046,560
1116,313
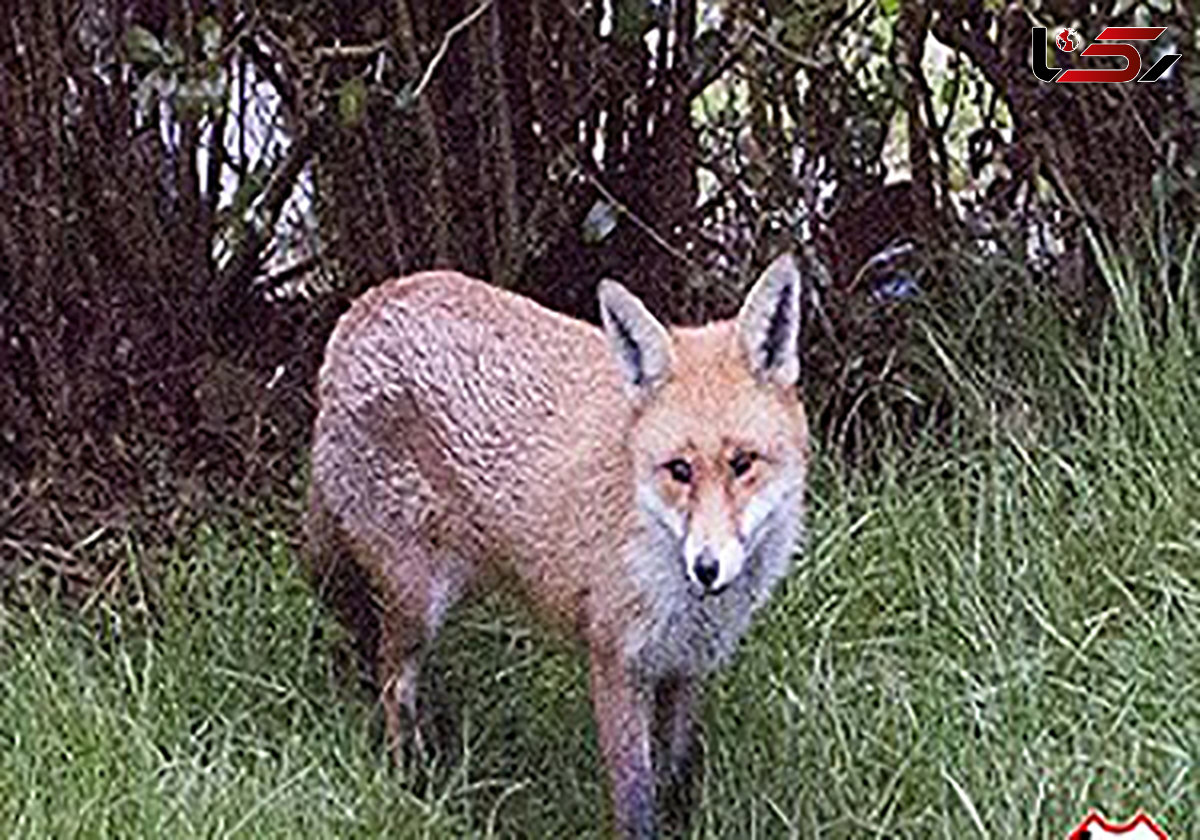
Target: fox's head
x,y
718,438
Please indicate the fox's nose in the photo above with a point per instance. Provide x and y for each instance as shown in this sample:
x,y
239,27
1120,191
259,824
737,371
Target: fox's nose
x,y
707,569
712,565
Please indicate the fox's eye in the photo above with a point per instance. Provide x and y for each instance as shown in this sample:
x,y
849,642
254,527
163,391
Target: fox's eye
x,y
741,463
680,470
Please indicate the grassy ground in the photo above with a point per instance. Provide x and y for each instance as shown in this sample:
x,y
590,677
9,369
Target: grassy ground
x,y
983,639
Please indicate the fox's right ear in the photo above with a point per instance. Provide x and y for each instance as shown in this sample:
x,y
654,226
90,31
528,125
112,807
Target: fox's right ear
x,y
639,342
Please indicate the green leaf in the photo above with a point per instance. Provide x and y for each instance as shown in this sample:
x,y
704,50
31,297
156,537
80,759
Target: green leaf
x,y
948,88
600,221
795,27
352,101
404,97
250,188
889,7
957,177
203,95
193,98
143,47
210,36
173,54
631,19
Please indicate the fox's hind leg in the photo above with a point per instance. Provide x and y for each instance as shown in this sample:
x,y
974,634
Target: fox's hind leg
x,y
398,669
341,581
415,589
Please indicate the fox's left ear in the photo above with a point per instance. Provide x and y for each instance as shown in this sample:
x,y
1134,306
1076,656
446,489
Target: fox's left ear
x,y
768,326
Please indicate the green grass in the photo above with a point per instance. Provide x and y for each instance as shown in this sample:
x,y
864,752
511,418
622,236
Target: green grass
x,y
984,639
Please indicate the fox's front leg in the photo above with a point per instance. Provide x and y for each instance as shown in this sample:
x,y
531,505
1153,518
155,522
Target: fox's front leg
x,y
677,751
622,706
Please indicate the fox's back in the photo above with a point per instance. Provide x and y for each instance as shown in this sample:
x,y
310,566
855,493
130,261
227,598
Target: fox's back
x,y
474,415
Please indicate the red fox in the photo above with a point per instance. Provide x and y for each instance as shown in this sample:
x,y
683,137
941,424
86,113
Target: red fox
x,y
641,486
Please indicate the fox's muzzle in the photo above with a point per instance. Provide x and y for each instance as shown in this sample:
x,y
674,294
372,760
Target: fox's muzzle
x,y
711,569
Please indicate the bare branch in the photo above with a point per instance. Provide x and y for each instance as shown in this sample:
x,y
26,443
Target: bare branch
x,y
235,278
349,52
264,62
427,121
513,240
637,220
445,45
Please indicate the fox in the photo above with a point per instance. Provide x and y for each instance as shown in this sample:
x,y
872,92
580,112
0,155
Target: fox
x,y
641,486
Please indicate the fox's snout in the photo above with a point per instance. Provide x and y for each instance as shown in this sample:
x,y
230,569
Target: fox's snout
x,y
712,567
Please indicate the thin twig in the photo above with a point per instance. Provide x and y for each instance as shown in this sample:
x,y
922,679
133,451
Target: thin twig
x,y
512,240
639,222
787,52
264,214
427,124
379,183
291,272
65,563
349,51
445,45
102,588
31,547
